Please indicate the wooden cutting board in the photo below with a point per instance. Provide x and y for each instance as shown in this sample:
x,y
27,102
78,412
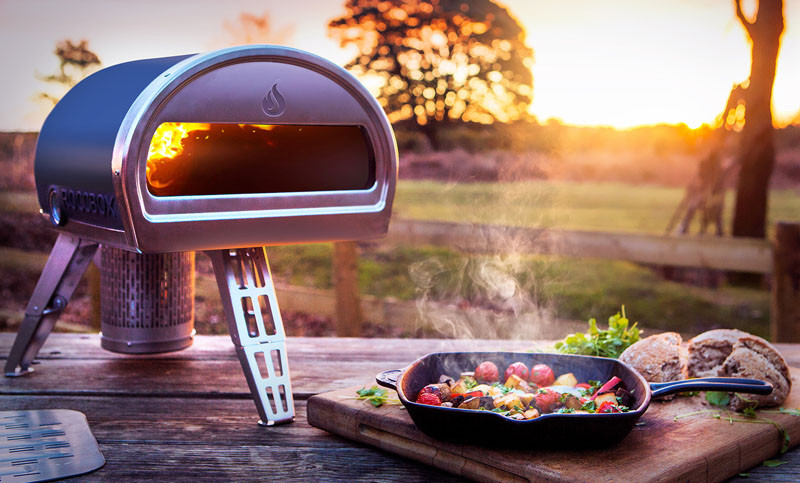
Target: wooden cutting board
x,y
693,448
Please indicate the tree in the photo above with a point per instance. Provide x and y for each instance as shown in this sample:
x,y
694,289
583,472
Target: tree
x,y
76,61
757,149
440,61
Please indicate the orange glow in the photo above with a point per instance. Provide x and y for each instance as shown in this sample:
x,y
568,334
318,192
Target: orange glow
x,y
167,143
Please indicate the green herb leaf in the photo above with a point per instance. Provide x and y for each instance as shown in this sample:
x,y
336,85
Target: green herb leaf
x,y
792,411
589,406
773,463
374,395
749,412
744,475
598,342
718,398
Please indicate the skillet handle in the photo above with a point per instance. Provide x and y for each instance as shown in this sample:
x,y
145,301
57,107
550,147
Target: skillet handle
x,y
722,384
388,378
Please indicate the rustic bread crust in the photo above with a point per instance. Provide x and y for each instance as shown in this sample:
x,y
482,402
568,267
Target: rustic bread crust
x,y
709,350
733,353
659,358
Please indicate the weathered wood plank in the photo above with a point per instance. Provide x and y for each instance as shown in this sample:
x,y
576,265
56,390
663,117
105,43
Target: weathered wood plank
x,y
184,440
745,255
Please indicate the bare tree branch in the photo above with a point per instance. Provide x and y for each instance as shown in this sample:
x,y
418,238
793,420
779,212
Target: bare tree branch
x,y
740,15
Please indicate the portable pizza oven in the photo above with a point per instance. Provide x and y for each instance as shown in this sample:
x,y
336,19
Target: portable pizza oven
x,y
224,152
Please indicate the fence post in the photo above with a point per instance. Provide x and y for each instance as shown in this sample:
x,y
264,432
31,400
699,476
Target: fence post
x,y
785,320
349,318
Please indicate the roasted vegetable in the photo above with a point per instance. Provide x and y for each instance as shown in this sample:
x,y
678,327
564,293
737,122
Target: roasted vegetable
x,y
516,398
605,397
546,400
517,382
487,372
567,379
442,391
509,401
531,414
572,402
518,369
608,386
430,399
542,375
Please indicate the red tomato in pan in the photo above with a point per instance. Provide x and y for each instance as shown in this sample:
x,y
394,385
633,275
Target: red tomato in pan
x,y
518,369
542,375
487,372
545,400
608,407
429,399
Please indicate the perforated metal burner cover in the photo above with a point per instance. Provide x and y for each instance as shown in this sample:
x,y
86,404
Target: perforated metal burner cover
x,y
45,445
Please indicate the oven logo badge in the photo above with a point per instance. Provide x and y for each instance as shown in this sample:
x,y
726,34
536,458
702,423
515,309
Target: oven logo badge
x,y
273,103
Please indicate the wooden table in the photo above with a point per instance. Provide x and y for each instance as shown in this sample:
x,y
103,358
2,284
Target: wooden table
x,y
188,415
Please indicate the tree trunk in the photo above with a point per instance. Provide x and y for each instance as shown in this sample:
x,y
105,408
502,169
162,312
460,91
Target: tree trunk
x,y
757,151
431,132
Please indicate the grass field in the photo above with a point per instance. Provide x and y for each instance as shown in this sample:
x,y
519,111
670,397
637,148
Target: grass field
x,y
574,289
578,206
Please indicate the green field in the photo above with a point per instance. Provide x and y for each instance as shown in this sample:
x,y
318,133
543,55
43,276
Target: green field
x,y
556,204
577,206
574,289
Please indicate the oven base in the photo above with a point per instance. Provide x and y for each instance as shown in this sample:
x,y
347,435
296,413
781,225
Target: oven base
x,y
251,310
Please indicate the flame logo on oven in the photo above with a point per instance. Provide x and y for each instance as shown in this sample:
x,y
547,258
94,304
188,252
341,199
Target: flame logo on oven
x,y
273,103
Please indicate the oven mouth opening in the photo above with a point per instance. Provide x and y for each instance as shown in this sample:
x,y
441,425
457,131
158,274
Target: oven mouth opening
x,y
212,159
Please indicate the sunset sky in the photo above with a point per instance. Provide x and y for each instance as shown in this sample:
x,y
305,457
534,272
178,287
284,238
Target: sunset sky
x,y
622,63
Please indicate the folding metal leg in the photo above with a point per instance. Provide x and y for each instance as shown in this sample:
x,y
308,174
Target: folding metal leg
x,y
256,328
67,262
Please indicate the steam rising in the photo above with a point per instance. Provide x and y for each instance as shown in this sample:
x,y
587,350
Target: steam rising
x,y
497,293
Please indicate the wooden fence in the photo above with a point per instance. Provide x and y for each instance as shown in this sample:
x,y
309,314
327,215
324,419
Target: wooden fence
x,y
779,258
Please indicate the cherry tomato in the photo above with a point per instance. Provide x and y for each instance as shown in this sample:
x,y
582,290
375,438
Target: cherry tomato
x,y
542,375
583,385
517,368
608,407
546,400
442,391
487,372
429,399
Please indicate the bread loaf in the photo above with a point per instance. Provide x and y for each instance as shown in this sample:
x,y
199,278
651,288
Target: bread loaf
x,y
733,353
659,358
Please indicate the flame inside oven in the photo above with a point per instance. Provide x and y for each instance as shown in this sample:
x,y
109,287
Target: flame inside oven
x,y
198,159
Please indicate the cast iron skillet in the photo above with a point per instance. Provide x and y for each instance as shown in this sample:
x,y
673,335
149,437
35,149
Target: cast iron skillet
x,y
550,430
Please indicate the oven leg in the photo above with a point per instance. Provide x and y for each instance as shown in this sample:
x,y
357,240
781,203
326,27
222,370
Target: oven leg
x,y
68,260
256,328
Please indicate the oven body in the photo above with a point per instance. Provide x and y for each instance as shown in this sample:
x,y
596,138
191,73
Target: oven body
x,y
224,152
91,156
